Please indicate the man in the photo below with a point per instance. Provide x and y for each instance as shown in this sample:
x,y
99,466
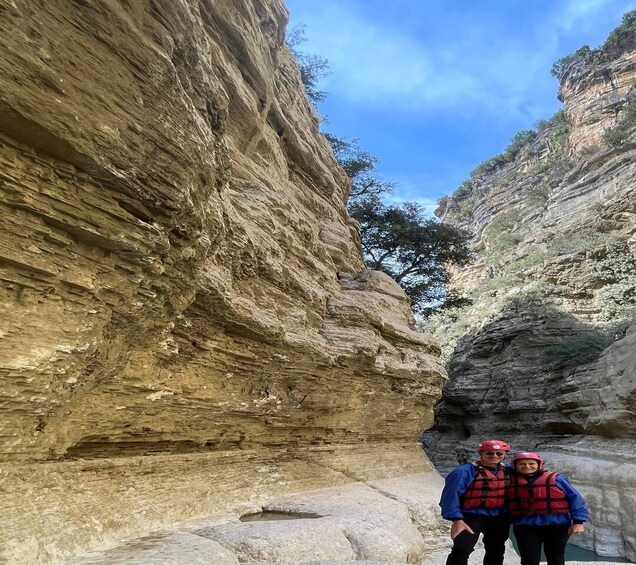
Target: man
x,y
474,499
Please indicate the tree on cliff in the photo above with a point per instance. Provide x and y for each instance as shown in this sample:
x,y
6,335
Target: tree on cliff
x,y
399,239
359,166
312,67
412,249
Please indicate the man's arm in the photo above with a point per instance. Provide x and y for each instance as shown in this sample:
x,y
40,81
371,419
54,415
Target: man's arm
x,y
456,483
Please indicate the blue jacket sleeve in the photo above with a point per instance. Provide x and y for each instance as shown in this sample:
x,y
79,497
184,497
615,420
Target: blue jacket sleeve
x,y
457,481
578,510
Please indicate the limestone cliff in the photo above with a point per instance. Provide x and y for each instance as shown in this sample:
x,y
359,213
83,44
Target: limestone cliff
x,y
187,322
545,355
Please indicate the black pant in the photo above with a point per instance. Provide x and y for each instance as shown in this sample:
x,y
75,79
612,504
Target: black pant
x,y
531,538
495,530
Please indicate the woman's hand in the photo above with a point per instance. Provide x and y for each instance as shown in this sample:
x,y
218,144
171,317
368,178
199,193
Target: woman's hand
x,y
576,529
458,527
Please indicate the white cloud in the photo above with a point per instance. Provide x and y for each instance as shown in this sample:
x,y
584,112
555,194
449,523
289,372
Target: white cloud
x,y
428,204
374,65
467,63
413,187
477,69
580,12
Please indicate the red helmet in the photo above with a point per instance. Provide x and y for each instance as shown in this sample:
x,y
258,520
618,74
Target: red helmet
x,y
527,455
493,444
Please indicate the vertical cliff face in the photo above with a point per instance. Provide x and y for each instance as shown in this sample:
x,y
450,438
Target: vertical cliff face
x,y
595,88
544,357
187,320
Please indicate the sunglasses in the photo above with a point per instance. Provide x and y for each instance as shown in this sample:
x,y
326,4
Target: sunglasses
x,y
497,453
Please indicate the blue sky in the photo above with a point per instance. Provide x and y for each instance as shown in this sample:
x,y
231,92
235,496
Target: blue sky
x,y
434,87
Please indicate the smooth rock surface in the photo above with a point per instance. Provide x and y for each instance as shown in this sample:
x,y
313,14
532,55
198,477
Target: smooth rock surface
x,y
179,548
354,523
357,562
291,541
377,526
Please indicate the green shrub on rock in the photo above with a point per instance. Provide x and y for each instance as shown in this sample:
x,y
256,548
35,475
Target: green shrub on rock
x,y
501,223
520,140
527,261
578,349
614,263
561,65
627,26
620,133
617,300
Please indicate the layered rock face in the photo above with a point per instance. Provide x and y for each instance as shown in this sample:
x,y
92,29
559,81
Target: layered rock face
x,y
187,321
545,355
595,89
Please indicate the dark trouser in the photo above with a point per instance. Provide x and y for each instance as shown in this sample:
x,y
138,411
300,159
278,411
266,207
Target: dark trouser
x,y
495,530
531,538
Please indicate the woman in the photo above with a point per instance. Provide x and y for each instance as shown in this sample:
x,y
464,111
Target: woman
x,y
545,509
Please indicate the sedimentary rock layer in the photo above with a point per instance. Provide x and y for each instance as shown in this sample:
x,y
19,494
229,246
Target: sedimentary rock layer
x,y
179,275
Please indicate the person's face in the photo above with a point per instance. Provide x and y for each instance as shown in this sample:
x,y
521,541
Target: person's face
x,y
526,466
492,457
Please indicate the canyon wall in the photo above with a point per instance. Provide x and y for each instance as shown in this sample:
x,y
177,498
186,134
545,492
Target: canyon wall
x,y
187,323
545,356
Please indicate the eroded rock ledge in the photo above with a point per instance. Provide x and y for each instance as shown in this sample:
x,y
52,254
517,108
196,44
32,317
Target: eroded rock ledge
x,y
185,308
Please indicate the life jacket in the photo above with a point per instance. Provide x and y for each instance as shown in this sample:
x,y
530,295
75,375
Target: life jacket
x,y
540,497
488,490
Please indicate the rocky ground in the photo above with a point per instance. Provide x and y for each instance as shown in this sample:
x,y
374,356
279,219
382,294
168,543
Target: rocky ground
x,y
388,522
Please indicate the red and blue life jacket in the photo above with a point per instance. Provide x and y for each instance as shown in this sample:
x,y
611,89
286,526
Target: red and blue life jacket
x,y
488,490
539,497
